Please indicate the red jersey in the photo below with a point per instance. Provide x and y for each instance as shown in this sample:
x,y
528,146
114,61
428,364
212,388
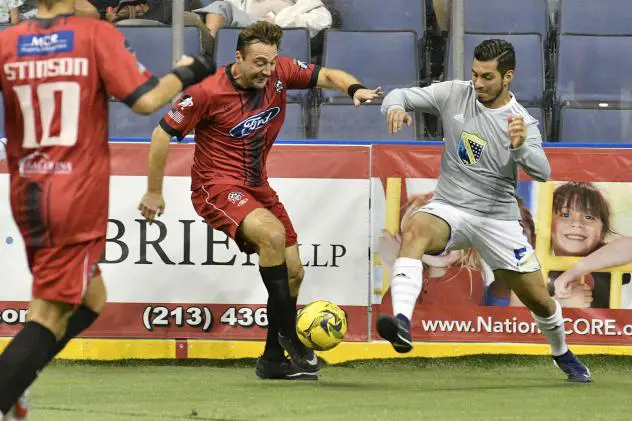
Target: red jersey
x,y
235,127
56,77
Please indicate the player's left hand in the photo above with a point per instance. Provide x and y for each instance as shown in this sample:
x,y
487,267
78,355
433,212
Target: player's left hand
x,y
517,130
366,95
151,204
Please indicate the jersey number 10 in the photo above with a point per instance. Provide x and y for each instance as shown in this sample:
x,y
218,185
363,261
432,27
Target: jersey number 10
x,y
69,113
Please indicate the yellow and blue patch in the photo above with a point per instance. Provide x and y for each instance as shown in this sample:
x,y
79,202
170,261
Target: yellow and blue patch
x,y
471,148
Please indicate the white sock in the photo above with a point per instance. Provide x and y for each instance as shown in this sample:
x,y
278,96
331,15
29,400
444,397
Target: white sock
x,y
553,328
406,285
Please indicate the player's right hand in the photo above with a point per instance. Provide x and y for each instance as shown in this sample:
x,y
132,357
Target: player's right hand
x,y
396,119
151,204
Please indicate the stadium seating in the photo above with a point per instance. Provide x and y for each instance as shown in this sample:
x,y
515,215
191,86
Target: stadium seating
x,y
528,83
506,17
587,17
538,113
153,45
295,43
594,68
588,122
391,15
379,58
294,127
125,123
345,121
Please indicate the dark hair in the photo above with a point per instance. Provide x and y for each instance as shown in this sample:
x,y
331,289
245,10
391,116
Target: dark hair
x,y
263,31
526,220
48,3
584,197
497,49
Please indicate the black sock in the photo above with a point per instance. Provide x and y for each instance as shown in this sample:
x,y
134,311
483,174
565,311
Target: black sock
x,y
294,302
273,350
22,360
275,278
80,320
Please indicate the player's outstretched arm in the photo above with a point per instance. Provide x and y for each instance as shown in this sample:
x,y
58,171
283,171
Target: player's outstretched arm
x,y
188,71
347,84
526,148
430,99
618,252
153,203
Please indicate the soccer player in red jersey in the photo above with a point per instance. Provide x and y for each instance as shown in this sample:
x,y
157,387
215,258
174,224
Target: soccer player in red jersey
x,y
57,72
237,114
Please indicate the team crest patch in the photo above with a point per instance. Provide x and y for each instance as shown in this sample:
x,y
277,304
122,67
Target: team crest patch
x,y
235,196
186,102
279,86
471,148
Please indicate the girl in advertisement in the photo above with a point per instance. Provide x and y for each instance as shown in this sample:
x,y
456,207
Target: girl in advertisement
x,y
581,222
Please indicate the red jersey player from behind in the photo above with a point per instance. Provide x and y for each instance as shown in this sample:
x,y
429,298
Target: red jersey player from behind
x,y
57,71
237,114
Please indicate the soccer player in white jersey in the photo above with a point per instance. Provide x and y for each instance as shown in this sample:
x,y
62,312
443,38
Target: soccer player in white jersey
x,y
488,135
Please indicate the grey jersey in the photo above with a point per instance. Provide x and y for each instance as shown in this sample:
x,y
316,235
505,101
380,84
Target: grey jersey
x,y
479,170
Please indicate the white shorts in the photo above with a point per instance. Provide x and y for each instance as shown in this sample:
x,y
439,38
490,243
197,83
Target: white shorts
x,y
501,244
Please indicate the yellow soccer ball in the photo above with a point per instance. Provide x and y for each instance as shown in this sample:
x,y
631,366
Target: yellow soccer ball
x,y
321,325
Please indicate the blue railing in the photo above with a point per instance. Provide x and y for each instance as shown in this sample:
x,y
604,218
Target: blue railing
x,y
394,142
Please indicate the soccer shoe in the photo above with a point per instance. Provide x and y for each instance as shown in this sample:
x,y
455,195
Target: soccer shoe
x,y
281,370
576,371
19,411
396,331
302,357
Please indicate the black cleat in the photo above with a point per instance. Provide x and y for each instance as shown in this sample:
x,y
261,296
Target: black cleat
x,y
302,357
281,370
574,369
396,332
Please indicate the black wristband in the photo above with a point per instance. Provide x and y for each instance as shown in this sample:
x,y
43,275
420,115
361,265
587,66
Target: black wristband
x,y
195,72
353,88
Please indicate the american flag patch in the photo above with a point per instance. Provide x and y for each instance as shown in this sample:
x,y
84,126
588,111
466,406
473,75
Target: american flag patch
x,y
471,148
176,115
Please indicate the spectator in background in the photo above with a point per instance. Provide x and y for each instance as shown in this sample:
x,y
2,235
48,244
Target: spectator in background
x,y
9,12
310,14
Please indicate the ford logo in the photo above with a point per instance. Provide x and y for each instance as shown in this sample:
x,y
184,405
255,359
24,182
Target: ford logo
x,y
254,123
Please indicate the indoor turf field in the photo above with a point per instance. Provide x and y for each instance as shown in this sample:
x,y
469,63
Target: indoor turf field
x,y
467,388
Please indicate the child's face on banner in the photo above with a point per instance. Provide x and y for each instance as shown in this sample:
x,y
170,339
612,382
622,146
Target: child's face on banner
x,y
575,233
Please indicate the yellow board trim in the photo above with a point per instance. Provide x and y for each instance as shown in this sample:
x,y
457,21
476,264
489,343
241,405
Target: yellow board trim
x,y
148,349
393,199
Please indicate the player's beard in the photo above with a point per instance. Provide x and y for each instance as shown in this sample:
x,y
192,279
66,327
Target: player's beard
x,y
491,96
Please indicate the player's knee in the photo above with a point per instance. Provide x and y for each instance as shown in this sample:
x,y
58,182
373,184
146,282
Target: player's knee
x,y
52,315
416,236
96,296
272,239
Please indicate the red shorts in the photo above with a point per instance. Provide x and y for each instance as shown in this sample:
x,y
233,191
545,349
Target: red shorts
x,y
62,273
224,206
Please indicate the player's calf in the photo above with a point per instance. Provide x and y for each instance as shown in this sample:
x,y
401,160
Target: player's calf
x,y
30,350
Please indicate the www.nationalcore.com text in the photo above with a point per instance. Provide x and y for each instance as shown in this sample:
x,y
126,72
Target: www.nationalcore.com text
x,y
486,324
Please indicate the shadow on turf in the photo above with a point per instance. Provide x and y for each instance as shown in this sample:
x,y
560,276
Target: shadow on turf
x,y
193,416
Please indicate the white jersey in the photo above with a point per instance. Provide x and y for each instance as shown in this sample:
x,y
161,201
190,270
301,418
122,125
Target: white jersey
x,y
479,169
